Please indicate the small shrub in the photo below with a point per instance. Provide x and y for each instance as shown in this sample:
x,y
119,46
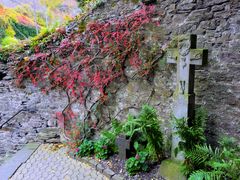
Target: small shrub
x,y
103,148
137,163
194,134
146,129
86,148
111,134
229,143
203,162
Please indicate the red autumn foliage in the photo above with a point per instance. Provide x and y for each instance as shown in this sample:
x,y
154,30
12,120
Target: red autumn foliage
x,y
89,60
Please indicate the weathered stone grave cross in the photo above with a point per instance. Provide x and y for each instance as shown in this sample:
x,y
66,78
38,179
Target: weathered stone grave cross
x,y
123,146
186,56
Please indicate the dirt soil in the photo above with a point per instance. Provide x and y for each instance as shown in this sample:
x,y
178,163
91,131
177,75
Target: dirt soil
x,y
118,166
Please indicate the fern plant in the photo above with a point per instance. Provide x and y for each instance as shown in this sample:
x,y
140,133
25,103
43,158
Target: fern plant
x,y
146,128
192,134
116,129
111,134
103,148
206,175
202,161
197,157
86,148
205,163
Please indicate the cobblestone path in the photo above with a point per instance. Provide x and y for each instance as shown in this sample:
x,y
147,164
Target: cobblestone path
x,y
50,162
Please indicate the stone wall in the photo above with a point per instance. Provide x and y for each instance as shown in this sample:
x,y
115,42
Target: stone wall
x,y
217,25
217,86
35,123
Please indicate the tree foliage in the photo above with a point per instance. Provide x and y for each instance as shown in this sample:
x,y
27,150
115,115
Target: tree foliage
x,y
51,4
15,25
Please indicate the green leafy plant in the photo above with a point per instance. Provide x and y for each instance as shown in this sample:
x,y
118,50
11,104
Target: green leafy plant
x,y
112,133
203,162
86,148
229,143
192,133
103,148
137,163
200,174
146,128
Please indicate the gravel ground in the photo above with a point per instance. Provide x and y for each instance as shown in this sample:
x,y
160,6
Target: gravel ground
x,y
118,166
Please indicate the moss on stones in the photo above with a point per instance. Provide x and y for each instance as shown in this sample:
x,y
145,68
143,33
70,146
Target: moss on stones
x,y
171,170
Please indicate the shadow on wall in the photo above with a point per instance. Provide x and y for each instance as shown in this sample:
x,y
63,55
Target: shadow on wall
x,y
211,131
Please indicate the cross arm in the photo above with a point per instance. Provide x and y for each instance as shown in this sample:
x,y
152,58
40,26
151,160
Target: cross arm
x,y
198,56
172,55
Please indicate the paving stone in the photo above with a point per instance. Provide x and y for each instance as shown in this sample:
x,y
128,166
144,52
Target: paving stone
x,y
67,177
55,165
81,177
20,176
54,178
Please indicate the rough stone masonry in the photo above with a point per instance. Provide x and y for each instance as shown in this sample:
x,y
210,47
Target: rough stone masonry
x,y
217,85
217,25
35,120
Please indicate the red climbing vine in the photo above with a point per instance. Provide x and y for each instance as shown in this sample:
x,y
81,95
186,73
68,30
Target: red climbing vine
x,y
89,60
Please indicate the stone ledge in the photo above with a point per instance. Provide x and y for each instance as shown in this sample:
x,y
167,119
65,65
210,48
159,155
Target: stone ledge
x,y
117,177
99,167
108,172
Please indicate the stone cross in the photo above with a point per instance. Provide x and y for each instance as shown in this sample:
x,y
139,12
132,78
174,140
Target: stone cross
x,y
123,146
186,56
